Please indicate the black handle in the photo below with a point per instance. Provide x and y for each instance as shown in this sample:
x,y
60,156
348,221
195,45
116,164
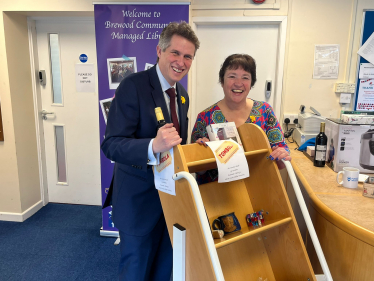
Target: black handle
x,y
214,224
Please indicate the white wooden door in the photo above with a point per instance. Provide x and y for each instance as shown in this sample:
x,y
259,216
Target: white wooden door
x,y
71,131
263,38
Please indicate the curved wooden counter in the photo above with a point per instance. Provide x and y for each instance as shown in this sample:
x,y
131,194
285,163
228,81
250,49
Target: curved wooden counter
x,y
342,217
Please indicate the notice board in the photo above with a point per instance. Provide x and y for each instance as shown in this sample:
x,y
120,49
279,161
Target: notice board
x,y
368,29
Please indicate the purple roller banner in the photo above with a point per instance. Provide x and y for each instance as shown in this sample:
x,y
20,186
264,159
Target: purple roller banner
x,y
126,40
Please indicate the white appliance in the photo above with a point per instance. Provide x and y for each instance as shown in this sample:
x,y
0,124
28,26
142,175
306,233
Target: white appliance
x,y
310,122
308,127
367,150
300,137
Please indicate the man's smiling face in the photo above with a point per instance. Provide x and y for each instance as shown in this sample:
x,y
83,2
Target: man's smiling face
x,y
176,61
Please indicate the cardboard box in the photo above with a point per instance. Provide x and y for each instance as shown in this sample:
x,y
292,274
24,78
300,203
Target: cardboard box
x,y
310,150
368,190
344,144
357,119
223,131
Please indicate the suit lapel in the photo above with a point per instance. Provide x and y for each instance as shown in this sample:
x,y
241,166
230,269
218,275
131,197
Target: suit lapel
x,y
182,110
158,94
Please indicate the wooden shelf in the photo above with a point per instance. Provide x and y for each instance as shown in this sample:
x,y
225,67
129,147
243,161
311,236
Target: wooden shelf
x,y
242,256
210,163
247,232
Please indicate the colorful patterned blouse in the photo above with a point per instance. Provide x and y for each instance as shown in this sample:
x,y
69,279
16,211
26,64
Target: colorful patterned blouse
x,y
262,114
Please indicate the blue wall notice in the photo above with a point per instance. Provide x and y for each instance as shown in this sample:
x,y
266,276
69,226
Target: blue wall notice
x,y
83,58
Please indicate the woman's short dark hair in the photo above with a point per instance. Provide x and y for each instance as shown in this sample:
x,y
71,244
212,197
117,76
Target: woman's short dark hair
x,y
239,61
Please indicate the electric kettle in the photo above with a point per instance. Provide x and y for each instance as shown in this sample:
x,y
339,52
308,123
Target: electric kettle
x,y
367,150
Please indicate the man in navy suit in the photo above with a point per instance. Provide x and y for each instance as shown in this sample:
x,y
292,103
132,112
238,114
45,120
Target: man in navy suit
x,y
134,143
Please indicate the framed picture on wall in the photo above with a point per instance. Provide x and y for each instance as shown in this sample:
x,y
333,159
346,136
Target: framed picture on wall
x,y
148,66
1,127
119,68
105,105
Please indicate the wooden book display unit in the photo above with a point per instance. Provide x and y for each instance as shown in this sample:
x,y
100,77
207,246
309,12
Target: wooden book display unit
x,y
274,251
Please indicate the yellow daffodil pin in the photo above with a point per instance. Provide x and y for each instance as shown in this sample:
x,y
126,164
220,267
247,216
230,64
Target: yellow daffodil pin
x,y
183,100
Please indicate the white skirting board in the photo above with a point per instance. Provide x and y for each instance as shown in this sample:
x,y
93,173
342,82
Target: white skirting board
x,y
20,217
321,277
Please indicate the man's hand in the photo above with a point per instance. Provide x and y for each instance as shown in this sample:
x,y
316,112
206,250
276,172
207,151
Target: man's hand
x,y
167,137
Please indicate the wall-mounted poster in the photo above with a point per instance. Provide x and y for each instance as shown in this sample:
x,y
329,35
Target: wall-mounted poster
x,y
326,61
1,127
365,98
126,40
85,78
364,92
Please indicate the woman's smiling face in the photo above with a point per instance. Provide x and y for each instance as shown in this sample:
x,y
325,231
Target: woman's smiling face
x,y
236,85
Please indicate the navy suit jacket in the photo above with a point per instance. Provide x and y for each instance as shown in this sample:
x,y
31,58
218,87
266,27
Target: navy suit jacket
x,y
131,125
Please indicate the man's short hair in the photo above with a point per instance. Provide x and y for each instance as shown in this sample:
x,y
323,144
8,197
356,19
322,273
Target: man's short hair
x,y
174,28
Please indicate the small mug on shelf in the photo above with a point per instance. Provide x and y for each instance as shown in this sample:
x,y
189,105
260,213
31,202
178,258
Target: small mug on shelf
x,y
228,223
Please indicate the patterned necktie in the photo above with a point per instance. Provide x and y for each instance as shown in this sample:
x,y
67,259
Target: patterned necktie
x,y
173,111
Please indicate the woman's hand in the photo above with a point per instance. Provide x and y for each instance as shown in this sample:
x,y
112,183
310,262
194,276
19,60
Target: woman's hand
x,y
279,154
202,141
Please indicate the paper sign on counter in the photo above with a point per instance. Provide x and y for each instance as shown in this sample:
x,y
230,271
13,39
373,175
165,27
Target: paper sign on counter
x,y
231,162
164,173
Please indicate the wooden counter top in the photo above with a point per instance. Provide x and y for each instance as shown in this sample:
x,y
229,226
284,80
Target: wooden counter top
x,y
345,208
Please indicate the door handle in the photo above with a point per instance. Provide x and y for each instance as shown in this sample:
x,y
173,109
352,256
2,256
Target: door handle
x,y
44,114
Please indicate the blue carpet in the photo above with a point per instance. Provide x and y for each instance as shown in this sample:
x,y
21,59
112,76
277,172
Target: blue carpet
x,y
59,242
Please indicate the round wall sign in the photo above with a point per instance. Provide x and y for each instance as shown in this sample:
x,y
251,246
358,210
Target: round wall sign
x,y
83,58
